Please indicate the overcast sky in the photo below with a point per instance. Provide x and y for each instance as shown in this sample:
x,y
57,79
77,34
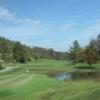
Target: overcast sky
x,y
50,23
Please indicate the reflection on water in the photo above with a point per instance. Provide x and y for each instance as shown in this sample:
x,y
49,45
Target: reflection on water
x,y
76,75
63,75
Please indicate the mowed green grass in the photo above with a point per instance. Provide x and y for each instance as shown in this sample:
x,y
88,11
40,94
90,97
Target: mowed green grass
x,y
16,84
45,64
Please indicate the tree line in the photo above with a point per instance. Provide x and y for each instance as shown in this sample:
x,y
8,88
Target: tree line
x,y
20,53
90,54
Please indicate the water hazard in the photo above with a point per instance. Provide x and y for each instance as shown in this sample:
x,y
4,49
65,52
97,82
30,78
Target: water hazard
x,y
76,75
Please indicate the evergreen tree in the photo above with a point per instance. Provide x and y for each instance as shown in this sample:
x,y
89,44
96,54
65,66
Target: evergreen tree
x,y
74,52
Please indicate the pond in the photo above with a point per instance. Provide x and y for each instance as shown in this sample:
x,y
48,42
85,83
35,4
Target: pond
x,y
75,75
63,75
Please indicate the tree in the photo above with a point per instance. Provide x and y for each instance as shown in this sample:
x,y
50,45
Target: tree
x,y
50,53
3,47
98,46
19,53
28,52
39,52
88,55
74,52
7,57
15,51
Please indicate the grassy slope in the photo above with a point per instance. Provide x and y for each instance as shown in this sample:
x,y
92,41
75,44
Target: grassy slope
x,y
19,85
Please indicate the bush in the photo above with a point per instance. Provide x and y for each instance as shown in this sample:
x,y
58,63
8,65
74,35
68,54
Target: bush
x,y
22,60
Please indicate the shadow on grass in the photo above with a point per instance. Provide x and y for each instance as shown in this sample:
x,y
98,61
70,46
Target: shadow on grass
x,y
86,67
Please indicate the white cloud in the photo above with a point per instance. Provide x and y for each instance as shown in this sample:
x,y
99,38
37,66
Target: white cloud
x,y
5,14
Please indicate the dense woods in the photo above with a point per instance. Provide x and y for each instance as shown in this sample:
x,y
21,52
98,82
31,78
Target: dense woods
x,y
20,53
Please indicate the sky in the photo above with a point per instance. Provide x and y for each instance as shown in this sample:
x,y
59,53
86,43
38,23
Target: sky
x,y
50,23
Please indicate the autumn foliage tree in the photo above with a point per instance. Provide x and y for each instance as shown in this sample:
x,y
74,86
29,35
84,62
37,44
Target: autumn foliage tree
x,y
88,55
